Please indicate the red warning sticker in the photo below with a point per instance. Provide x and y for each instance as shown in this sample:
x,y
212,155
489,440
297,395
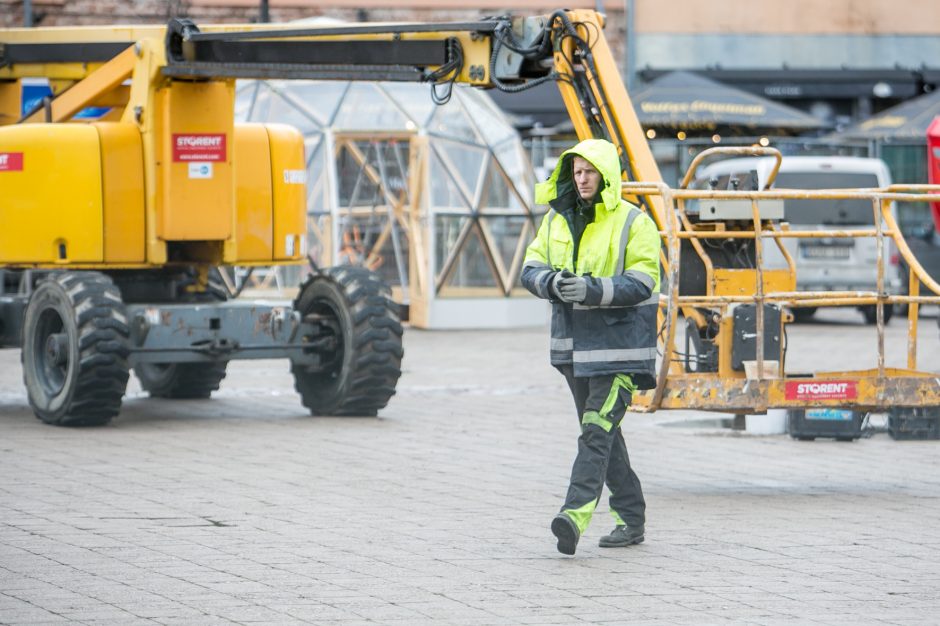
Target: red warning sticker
x,y
822,390
11,161
199,147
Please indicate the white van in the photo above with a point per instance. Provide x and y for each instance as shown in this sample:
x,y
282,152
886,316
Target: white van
x,y
822,264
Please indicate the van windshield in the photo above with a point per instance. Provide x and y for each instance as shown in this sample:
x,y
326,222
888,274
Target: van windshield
x,y
826,212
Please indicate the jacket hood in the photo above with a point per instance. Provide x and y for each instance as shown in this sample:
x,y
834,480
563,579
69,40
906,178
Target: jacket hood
x,y
560,191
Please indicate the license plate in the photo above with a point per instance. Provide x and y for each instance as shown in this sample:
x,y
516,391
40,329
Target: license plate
x,y
832,415
826,252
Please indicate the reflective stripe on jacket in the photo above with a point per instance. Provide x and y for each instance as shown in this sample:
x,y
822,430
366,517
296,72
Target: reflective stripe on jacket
x,y
614,330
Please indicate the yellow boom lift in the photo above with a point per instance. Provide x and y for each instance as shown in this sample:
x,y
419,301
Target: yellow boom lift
x,y
112,230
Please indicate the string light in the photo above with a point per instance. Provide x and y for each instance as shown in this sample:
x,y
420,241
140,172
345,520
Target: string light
x,y
716,138
651,134
680,135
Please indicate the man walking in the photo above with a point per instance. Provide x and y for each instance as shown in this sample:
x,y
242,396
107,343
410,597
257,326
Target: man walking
x,y
596,258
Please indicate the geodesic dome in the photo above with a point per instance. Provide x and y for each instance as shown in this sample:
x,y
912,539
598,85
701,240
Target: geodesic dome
x,y
437,199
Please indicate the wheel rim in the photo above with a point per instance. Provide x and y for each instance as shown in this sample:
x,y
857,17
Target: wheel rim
x,y
326,308
329,378
155,376
156,370
51,347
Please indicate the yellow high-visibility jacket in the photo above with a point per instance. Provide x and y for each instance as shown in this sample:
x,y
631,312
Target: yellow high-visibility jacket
x,y
613,331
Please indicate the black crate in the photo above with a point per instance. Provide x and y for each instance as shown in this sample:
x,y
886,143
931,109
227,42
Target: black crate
x,y
911,424
841,424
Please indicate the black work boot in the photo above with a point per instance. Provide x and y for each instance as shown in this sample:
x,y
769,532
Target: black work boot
x,y
564,528
622,536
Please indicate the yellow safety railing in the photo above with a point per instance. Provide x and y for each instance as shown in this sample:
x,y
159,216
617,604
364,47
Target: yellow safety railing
x,y
876,388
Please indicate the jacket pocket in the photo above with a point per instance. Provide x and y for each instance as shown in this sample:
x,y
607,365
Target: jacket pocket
x,y
619,316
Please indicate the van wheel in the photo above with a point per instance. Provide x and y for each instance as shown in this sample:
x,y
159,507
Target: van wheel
x,y
870,311
902,309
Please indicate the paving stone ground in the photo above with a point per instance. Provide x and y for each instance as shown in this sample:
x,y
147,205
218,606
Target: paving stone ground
x,y
244,510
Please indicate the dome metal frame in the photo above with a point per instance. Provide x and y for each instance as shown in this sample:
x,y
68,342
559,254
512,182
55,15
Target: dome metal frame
x,y
436,199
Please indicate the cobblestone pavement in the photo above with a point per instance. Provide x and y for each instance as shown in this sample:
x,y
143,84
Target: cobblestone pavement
x,y
244,510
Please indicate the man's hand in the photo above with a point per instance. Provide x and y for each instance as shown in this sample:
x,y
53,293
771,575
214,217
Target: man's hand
x,y
555,284
573,288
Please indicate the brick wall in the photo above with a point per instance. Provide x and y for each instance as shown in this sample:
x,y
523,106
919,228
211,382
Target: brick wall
x,y
101,12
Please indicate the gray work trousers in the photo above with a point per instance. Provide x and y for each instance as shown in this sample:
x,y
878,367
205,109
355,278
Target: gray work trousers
x,y
602,453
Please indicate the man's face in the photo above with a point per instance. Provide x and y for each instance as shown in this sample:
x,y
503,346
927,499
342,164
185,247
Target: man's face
x,y
586,178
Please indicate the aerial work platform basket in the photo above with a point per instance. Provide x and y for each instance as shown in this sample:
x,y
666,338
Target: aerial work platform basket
x,y
740,312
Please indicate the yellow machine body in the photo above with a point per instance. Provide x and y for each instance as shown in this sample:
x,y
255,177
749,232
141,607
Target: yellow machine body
x,y
74,194
270,193
71,194
195,190
743,282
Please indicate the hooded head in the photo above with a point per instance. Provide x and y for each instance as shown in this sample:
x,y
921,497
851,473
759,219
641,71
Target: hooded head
x,y
561,190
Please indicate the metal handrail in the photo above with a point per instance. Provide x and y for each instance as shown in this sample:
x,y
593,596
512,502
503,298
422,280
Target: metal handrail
x,y
732,152
679,227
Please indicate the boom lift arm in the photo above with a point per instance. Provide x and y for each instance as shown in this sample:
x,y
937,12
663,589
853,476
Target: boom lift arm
x,y
507,53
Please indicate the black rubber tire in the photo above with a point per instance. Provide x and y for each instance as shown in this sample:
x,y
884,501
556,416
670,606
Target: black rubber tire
x,y
870,312
75,348
803,314
366,365
180,381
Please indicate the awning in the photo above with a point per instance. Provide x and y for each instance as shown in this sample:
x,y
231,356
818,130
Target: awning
x,y
684,100
680,100
908,120
781,84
